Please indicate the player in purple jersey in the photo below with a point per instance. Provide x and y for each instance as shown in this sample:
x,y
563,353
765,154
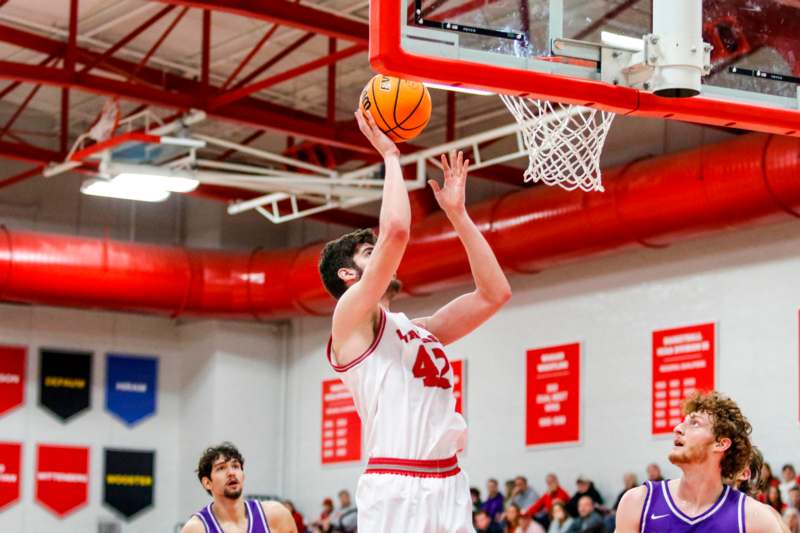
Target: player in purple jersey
x,y
221,472
711,446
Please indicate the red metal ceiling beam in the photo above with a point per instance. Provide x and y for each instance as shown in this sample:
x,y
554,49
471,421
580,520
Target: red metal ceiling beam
x,y
28,153
160,40
205,63
20,109
178,93
22,176
331,96
288,14
275,59
128,38
237,94
246,61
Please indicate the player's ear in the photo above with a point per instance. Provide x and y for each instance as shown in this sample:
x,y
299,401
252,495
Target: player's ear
x,y
347,274
206,483
723,444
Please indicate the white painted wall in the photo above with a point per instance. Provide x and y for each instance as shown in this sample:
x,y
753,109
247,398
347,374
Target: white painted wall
x,y
217,381
745,281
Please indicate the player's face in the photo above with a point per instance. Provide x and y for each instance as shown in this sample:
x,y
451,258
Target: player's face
x,y
694,440
227,478
362,259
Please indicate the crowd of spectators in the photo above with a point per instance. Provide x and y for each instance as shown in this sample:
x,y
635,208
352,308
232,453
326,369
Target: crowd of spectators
x,y
520,508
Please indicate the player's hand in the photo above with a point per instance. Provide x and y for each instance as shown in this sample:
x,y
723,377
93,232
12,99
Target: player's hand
x,y
451,197
378,139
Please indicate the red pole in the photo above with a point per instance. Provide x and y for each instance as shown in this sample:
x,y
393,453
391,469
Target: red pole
x,y
331,82
205,76
451,116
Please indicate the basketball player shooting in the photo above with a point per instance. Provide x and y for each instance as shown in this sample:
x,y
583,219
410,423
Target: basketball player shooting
x,y
711,447
396,368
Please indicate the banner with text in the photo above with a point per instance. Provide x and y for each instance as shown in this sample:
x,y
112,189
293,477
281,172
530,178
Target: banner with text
x,y
12,377
128,481
65,382
131,386
62,477
553,395
458,383
341,426
683,362
10,460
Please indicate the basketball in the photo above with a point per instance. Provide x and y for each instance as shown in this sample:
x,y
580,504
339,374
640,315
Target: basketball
x,y
401,108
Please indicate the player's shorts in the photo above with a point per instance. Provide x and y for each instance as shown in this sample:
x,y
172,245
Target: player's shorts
x,y
408,496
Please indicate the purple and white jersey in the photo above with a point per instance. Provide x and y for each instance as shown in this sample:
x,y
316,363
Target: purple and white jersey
x,y
256,519
661,515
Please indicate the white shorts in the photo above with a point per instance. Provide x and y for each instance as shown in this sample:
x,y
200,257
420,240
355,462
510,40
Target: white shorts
x,y
402,496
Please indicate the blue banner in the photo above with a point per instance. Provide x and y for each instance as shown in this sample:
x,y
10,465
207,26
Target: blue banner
x,y
131,385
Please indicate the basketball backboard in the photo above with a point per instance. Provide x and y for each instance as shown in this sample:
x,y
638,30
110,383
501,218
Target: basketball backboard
x,y
557,50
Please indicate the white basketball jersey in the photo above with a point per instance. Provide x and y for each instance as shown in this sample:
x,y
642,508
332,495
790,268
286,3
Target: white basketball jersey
x,y
402,386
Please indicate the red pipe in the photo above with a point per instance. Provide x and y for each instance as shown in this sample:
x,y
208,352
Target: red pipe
x,y
651,203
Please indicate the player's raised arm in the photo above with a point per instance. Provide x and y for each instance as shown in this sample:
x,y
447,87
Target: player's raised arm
x,y
467,312
358,304
629,512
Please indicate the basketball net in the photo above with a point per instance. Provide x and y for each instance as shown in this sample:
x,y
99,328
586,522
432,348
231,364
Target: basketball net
x,y
564,142
107,122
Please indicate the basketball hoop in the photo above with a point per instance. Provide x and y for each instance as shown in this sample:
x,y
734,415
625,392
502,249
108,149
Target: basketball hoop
x,y
107,121
564,141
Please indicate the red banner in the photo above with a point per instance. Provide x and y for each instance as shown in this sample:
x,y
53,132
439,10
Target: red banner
x,y
12,377
553,406
62,477
458,384
341,426
683,362
10,459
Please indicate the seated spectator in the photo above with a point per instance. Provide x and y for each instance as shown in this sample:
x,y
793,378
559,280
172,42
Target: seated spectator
x,y
629,481
475,494
774,499
794,498
298,518
510,521
654,472
791,517
789,480
510,483
528,525
323,523
523,495
767,476
584,487
343,519
589,520
494,501
544,505
560,521
485,524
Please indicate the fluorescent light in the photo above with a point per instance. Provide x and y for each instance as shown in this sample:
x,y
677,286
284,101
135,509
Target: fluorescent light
x,y
457,88
151,177
135,180
109,189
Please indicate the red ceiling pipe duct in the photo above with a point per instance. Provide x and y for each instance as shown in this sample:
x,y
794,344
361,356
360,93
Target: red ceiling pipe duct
x,y
651,203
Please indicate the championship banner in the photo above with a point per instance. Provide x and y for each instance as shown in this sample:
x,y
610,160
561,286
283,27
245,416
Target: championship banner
x,y
458,384
65,382
553,393
12,377
683,362
10,460
341,426
128,481
131,386
62,478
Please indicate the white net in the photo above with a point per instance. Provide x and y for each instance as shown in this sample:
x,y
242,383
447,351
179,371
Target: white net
x,y
564,141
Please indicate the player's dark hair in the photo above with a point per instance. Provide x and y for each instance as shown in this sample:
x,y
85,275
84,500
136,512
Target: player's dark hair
x,y
339,254
226,451
755,484
728,423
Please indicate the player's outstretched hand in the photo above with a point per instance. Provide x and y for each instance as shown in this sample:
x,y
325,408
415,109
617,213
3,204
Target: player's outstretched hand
x,y
451,197
378,139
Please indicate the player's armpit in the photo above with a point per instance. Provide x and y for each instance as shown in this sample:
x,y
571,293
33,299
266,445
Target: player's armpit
x,y
760,518
279,518
194,525
629,512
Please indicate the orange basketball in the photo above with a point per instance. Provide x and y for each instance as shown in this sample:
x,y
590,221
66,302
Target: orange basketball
x,y
401,108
